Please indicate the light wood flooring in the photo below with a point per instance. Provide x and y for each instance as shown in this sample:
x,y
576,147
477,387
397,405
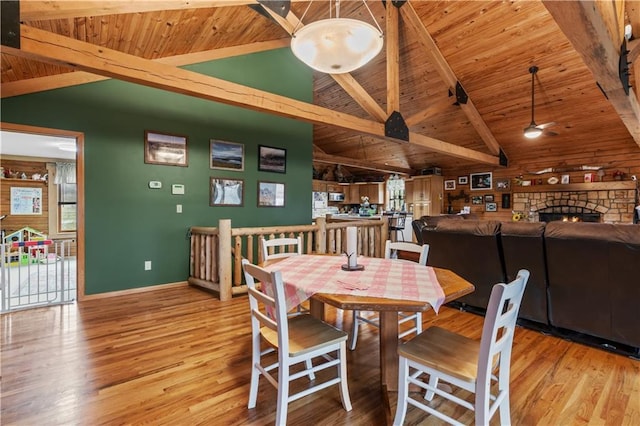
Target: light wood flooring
x,y
178,356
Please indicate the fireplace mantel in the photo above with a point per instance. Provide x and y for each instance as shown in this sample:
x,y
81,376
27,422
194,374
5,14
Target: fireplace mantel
x,y
593,186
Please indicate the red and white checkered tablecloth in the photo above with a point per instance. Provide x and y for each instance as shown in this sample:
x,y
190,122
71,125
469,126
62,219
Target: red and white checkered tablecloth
x,y
306,275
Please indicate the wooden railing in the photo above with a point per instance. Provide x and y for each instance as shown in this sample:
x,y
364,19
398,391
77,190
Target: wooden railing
x,y
216,253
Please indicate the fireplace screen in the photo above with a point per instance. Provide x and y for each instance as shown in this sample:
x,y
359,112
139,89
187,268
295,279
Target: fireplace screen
x,y
569,214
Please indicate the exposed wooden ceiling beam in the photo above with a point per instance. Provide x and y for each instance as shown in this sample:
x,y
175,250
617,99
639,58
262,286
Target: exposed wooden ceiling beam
x,y
44,46
429,111
392,45
447,75
346,81
63,9
367,165
33,85
586,28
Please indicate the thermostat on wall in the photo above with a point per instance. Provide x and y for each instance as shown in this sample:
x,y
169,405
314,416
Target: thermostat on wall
x,y
177,189
155,184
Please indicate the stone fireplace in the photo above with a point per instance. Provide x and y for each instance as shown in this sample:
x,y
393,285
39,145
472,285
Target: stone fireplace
x,y
610,202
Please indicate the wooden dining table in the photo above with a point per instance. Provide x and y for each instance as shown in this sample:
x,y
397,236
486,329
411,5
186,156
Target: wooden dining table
x,y
453,286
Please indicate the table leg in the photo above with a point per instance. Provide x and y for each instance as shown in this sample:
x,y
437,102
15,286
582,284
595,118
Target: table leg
x,y
316,308
389,350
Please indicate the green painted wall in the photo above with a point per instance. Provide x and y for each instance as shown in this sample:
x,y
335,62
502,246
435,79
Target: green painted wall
x,y
128,223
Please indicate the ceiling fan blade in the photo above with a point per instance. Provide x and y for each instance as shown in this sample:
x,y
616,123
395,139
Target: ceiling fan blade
x,y
550,133
545,125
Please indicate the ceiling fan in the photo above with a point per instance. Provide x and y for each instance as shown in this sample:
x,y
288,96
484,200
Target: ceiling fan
x,y
534,130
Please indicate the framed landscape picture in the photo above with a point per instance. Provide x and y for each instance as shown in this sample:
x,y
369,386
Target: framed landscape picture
x,y
165,148
491,207
226,192
480,181
272,159
463,180
477,199
226,155
270,194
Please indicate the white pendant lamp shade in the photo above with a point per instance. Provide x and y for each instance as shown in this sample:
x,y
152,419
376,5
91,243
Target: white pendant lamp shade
x,y
336,45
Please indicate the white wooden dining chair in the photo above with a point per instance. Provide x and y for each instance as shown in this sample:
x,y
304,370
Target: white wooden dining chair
x,y
391,250
475,366
281,248
286,247
298,339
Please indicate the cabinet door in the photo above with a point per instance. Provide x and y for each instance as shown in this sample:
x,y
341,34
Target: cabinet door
x,y
408,192
354,194
319,186
436,197
421,190
334,187
374,192
421,209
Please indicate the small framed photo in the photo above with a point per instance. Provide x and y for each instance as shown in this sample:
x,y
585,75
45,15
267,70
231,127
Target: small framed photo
x,y
477,199
491,207
463,180
488,198
272,159
165,148
226,192
588,177
481,181
270,194
564,179
502,184
449,185
226,155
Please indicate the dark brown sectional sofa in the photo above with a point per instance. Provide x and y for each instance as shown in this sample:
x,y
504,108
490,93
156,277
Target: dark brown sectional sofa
x,y
585,277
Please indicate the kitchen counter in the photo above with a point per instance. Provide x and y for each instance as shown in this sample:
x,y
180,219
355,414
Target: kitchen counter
x,y
345,216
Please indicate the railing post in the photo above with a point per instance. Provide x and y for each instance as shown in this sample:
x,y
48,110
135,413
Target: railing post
x,y
225,259
321,235
384,234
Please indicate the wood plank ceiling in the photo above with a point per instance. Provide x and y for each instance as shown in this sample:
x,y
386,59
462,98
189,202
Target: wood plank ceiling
x,y
485,46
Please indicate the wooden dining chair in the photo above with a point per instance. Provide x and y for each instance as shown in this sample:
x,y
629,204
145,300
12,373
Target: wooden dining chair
x,y
465,363
298,339
286,247
391,250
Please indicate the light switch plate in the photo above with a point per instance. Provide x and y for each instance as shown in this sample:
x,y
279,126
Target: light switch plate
x,y
155,184
177,189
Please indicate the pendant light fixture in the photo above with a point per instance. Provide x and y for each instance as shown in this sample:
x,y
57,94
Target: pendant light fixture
x,y
337,45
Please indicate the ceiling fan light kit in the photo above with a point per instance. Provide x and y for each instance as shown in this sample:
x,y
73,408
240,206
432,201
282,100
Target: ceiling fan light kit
x,y
337,45
534,130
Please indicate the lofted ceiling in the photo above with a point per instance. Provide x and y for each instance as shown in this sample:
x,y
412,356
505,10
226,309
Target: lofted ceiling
x,y
484,48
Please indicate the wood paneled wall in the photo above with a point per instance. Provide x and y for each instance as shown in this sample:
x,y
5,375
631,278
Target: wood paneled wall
x,y
627,161
39,222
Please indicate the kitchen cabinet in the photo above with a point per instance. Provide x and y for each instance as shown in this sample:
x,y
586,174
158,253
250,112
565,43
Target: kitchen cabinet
x,y
427,195
334,187
408,192
352,195
374,192
319,186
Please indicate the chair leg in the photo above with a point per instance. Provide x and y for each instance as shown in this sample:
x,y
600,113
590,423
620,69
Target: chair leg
x,y
255,374
433,382
342,373
418,321
309,365
283,394
354,331
403,391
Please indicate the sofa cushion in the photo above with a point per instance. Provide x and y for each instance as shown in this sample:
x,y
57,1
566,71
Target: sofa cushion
x,y
523,247
470,248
